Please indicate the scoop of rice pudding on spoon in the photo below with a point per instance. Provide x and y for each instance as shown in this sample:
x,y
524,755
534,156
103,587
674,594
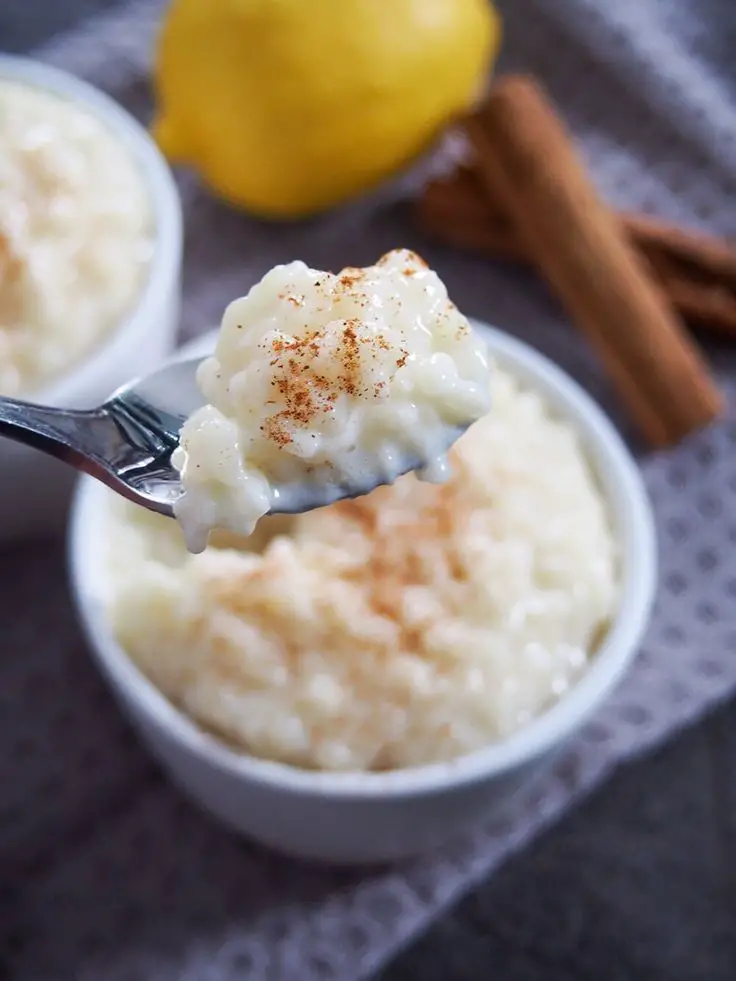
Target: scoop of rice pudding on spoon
x,y
324,386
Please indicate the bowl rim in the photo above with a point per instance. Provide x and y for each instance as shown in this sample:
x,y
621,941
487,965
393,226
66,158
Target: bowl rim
x,y
166,211
624,491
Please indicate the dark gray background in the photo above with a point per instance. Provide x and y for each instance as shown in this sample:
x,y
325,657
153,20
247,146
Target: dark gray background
x,y
638,884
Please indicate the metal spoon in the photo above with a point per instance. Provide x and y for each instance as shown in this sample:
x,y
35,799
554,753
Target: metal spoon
x,y
127,442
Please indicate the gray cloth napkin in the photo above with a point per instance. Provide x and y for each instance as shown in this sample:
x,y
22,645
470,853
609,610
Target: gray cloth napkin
x,y
106,874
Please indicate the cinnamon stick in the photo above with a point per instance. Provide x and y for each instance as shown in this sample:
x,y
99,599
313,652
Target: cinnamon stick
x,y
526,159
706,253
709,305
456,211
463,194
497,240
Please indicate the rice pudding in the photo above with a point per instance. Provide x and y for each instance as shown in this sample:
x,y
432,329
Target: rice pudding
x,y
76,234
326,379
416,624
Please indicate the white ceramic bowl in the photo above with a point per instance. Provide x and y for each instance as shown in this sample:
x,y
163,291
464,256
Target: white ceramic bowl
x,y
34,489
350,818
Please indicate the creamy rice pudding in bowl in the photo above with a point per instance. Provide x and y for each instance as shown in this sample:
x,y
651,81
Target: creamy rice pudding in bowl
x,y
365,681
90,255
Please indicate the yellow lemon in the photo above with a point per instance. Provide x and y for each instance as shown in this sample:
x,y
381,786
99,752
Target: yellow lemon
x,y
287,107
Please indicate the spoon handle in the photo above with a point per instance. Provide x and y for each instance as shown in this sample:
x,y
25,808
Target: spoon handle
x,y
63,433
114,443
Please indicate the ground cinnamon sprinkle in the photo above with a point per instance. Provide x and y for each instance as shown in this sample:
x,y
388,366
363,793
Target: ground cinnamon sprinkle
x,y
351,277
411,257
10,263
305,392
349,356
415,553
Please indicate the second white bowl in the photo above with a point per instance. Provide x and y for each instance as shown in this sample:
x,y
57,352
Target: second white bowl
x,y
35,489
369,817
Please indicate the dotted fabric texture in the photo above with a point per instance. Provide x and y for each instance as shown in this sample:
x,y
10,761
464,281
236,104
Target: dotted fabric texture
x,y
106,873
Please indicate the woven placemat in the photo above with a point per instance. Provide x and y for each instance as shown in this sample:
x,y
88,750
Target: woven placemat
x,y
107,874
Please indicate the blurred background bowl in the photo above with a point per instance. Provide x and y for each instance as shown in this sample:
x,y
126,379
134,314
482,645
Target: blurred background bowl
x,y
371,817
34,489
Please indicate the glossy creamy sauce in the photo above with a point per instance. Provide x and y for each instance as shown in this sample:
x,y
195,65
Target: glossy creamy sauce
x,y
327,381
76,234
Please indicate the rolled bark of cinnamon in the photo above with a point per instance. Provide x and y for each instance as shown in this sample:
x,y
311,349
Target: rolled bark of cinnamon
x,y
526,159
695,255
456,211
710,305
702,252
